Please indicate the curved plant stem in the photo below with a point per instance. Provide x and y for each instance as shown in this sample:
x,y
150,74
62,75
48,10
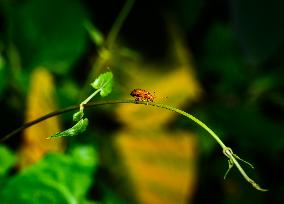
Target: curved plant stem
x,y
233,158
226,150
88,99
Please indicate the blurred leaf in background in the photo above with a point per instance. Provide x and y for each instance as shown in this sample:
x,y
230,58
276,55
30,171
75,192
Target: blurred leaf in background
x,y
7,160
57,178
40,101
48,33
161,166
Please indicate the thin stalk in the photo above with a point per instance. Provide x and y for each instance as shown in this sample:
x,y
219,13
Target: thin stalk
x,y
105,57
88,99
118,23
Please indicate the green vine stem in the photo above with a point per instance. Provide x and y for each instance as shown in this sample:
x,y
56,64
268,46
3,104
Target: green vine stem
x,y
118,23
88,99
227,151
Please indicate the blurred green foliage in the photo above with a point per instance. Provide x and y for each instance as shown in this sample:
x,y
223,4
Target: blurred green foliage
x,y
51,33
57,178
7,160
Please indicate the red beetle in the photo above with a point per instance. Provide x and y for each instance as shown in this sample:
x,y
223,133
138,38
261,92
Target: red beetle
x,y
142,95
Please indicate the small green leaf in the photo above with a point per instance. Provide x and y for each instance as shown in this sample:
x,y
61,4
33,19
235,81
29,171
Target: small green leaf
x,y
78,128
103,83
78,115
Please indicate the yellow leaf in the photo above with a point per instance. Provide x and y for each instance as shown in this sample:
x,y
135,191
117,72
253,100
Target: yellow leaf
x,y
40,101
161,166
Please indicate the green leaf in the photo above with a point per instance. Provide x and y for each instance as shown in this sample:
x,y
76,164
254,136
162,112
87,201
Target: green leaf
x,y
57,178
78,115
7,160
78,128
37,190
104,83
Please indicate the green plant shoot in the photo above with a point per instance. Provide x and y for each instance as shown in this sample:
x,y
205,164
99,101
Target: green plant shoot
x,y
103,85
